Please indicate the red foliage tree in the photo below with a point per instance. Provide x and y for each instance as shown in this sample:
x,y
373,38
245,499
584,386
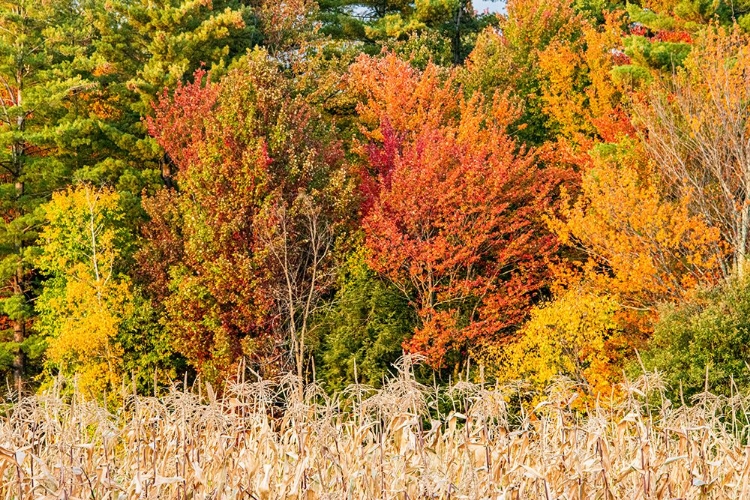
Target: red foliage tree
x,y
239,254
454,212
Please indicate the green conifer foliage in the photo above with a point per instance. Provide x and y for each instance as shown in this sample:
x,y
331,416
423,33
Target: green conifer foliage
x,y
41,45
443,31
143,47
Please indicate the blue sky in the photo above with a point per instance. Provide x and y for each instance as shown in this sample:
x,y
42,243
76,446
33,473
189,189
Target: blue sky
x,y
481,5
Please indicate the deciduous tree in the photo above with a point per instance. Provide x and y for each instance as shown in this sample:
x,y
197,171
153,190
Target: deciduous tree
x,y
445,29
579,94
250,231
697,129
87,297
566,337
506,58
454,211
642,246
702,344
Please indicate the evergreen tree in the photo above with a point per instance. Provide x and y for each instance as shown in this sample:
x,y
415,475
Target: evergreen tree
x,y
76,80
41,44
142,48
361,334
440,30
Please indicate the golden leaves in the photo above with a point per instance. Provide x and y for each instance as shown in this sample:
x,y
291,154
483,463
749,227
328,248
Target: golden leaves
x,y
83,307
564,337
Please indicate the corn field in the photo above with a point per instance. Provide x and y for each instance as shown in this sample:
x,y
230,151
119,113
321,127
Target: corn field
x,y
272,440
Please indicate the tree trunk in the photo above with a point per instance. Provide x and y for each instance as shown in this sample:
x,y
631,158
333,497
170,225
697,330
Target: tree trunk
x,y
456,42
18,156
167,171
19,325
19,335
19,332
741,250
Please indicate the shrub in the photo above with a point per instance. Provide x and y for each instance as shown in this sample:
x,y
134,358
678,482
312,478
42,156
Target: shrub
x,y
705,341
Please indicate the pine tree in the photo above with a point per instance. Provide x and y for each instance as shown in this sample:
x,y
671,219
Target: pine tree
x,y
40,44
141,48
443,29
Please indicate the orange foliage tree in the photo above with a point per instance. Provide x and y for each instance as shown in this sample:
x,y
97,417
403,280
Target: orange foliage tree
x,y
630,242
578,91
453,213
630,247
642,246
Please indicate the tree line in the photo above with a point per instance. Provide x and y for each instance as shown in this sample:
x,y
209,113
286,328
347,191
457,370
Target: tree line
x,y
193,187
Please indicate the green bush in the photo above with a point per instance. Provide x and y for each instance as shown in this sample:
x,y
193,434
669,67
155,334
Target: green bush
x,y
365,327
706,340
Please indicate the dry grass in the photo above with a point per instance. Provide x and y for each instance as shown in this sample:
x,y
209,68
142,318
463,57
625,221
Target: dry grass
x,y
391,443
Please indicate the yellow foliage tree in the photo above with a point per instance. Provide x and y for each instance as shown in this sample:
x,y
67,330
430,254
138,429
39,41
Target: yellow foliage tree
x,y
86,299
578,91
567,337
